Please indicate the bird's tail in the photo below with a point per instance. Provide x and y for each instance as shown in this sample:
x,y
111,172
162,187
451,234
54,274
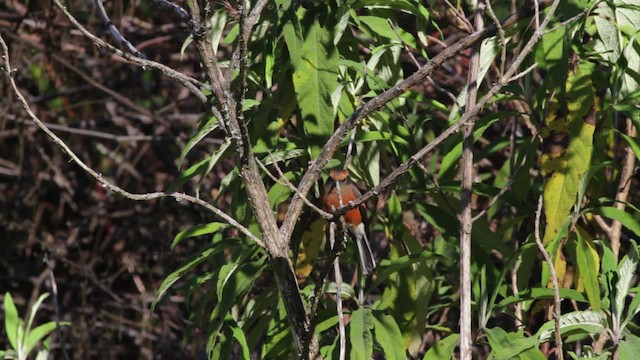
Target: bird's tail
x,y
367,261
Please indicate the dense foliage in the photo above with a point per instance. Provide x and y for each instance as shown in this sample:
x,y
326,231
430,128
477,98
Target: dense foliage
x,y
554,144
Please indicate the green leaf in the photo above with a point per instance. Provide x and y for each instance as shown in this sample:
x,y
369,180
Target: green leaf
x,y
410,287
453,156
389,267
627,220
40,332
629,348
205,128
516,257
346,290
360,327
506,346
198,230
191,262
198,168
388,335
609,44
315,76
278,338
630,77
551,51
626,272
412,7
343,15
588,263
234,281
567,171
579,322
238,334
633,309
538,293
375,135
382,27
32,313
609,276
443,349
11,320
634,144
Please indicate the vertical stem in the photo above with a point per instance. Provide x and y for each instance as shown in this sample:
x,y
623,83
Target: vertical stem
x,y
338,275
554,280
623,190
466,221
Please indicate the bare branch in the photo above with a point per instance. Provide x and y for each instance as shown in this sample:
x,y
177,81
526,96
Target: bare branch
x,y
338,278
466,222
182,13
115,32
247,27
623,190
190,83
554,279
523,73
285,182
105,183
501,34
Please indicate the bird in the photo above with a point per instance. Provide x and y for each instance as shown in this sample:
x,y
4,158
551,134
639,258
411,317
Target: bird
x,y
340,187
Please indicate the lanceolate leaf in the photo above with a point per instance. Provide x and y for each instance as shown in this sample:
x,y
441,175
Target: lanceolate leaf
x,y
588,262
36,335
566,167
11,320
584,322
206,126
360,327
315,62
626,271
389,337
443,349
198,230
511,345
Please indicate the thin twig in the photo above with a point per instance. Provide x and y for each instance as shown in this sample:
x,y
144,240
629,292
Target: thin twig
x,y
115,32
105,183
190,83
325,215
182,13
602,223
349,155
56,306
568,21
501,34
523,73
460,16
417,64
338,279
554,279
250,21
537,14
125,101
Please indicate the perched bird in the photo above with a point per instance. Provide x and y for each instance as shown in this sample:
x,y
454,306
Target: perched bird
x,y
340,186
